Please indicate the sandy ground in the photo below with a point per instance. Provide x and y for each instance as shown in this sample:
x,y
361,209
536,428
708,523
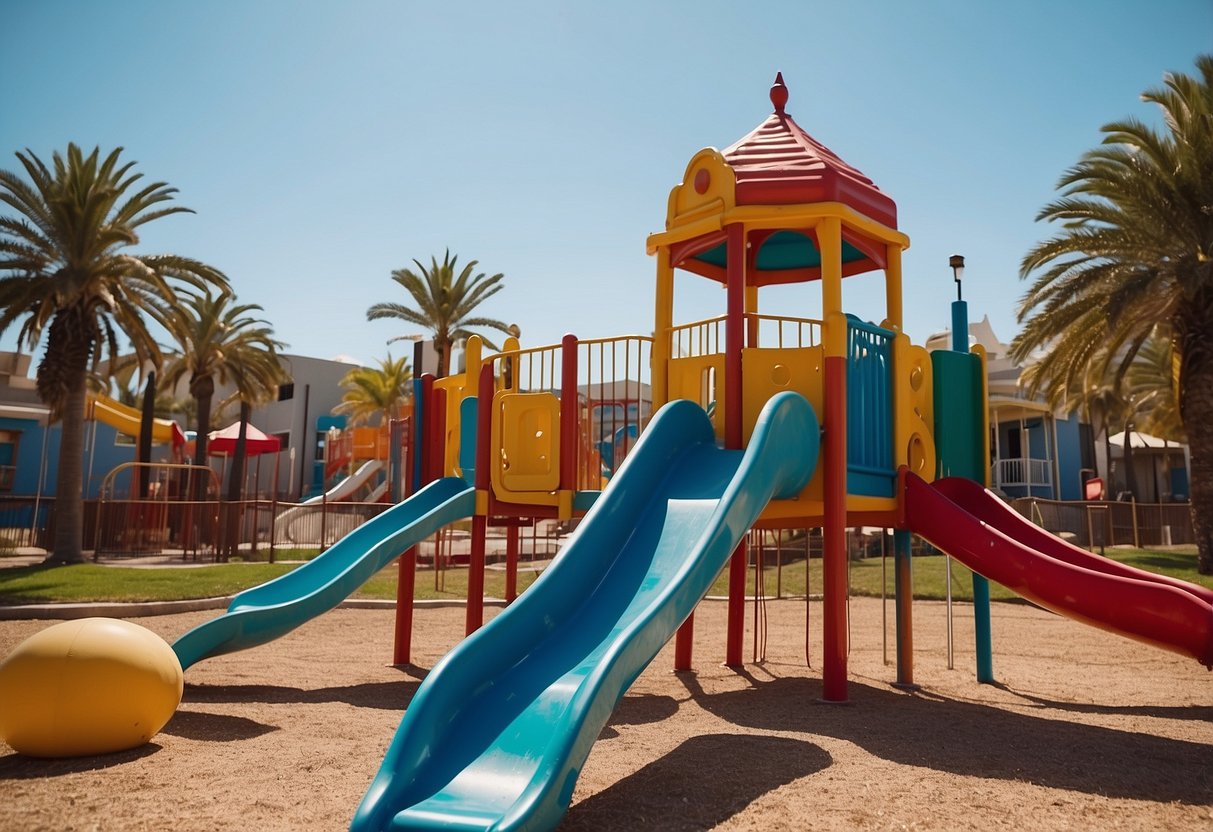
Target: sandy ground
x,y
1084,731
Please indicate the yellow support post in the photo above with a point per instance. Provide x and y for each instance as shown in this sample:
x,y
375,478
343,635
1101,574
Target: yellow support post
x,y
829,237
892,287
664,322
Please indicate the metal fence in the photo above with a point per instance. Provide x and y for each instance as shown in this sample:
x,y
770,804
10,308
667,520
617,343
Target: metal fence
x,y
1092,524
263,530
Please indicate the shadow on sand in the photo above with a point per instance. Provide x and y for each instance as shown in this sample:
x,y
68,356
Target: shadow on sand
x,y
975,740
198,725
392,696
21,767
700,784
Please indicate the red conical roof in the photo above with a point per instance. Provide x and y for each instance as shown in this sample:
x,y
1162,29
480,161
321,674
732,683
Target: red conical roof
x,y
778,163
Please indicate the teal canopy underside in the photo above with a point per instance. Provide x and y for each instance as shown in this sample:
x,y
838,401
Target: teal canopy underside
x,y
782,251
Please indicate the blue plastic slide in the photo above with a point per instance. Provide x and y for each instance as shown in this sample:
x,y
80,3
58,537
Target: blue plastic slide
x,y
496,735
265,612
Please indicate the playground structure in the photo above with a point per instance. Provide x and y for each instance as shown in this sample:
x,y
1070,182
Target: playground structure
x,y
759,421
128,420
361,464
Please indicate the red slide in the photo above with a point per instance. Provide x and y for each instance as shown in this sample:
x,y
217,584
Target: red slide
x,y
979,530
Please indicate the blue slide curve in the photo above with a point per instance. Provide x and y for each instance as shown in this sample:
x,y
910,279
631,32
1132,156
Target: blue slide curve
x,y
265,612
496,735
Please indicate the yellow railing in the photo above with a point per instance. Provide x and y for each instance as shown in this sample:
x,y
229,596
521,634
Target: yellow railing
x,y
780,332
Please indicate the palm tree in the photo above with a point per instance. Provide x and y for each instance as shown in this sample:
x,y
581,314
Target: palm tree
x,y
123,380
444,303
1150,383
1134,256
65,269
376,393
219,342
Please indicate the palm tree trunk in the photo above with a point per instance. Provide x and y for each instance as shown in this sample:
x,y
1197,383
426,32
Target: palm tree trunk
x,y
147,417
1198,419
443,347
68,540
202,401
1130,472
204,427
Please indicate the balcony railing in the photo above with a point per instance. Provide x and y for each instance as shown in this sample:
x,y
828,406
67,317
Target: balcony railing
x,y
1025,472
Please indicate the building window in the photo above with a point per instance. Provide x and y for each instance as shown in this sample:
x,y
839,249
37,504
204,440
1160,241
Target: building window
x,y
1086,446
286,392
284,439
9,439
1014,448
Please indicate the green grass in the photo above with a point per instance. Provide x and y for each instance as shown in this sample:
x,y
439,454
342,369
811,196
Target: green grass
x,y
90,582
449,584
929,573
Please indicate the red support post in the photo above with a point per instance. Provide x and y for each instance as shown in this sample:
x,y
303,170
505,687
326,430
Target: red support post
x,y
683,642
511,563
475,605
482,481
834,532
406,583
569,404
424,443
738,565
734,336
406,564
437,436
734,341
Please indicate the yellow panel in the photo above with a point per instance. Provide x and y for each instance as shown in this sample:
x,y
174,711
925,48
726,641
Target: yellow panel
x,y
707,190
526,429
913,409
766,372
858,502
807,511
700,379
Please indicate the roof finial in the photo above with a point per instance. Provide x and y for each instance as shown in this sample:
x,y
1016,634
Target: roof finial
x,y
779,93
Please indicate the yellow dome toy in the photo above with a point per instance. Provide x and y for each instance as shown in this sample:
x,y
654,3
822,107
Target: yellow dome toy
x,y
91,686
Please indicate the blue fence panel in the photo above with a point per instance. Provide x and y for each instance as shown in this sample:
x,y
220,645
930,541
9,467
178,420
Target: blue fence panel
x,y
870,469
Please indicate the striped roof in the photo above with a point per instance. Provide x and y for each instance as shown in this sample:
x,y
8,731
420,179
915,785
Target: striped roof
x,y
778,163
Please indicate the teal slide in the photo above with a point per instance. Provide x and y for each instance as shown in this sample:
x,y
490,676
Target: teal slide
x,y
265,612
496,735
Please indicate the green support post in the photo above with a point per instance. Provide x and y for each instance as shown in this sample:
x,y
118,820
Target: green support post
x,y
960,448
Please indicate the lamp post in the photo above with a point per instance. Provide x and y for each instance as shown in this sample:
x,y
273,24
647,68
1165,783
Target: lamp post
x,y
960,309
957,264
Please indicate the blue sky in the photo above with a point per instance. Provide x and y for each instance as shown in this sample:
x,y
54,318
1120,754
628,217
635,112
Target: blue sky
x,y
324,144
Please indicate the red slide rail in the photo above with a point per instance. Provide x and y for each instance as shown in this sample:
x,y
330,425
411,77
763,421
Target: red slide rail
x,y
986,507
1165,613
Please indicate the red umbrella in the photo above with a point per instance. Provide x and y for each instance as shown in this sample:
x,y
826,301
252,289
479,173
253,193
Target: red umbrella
x,y
223,442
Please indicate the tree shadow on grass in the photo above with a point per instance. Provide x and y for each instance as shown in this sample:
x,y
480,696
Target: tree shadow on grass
x,y
22,767
974,740
709,778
